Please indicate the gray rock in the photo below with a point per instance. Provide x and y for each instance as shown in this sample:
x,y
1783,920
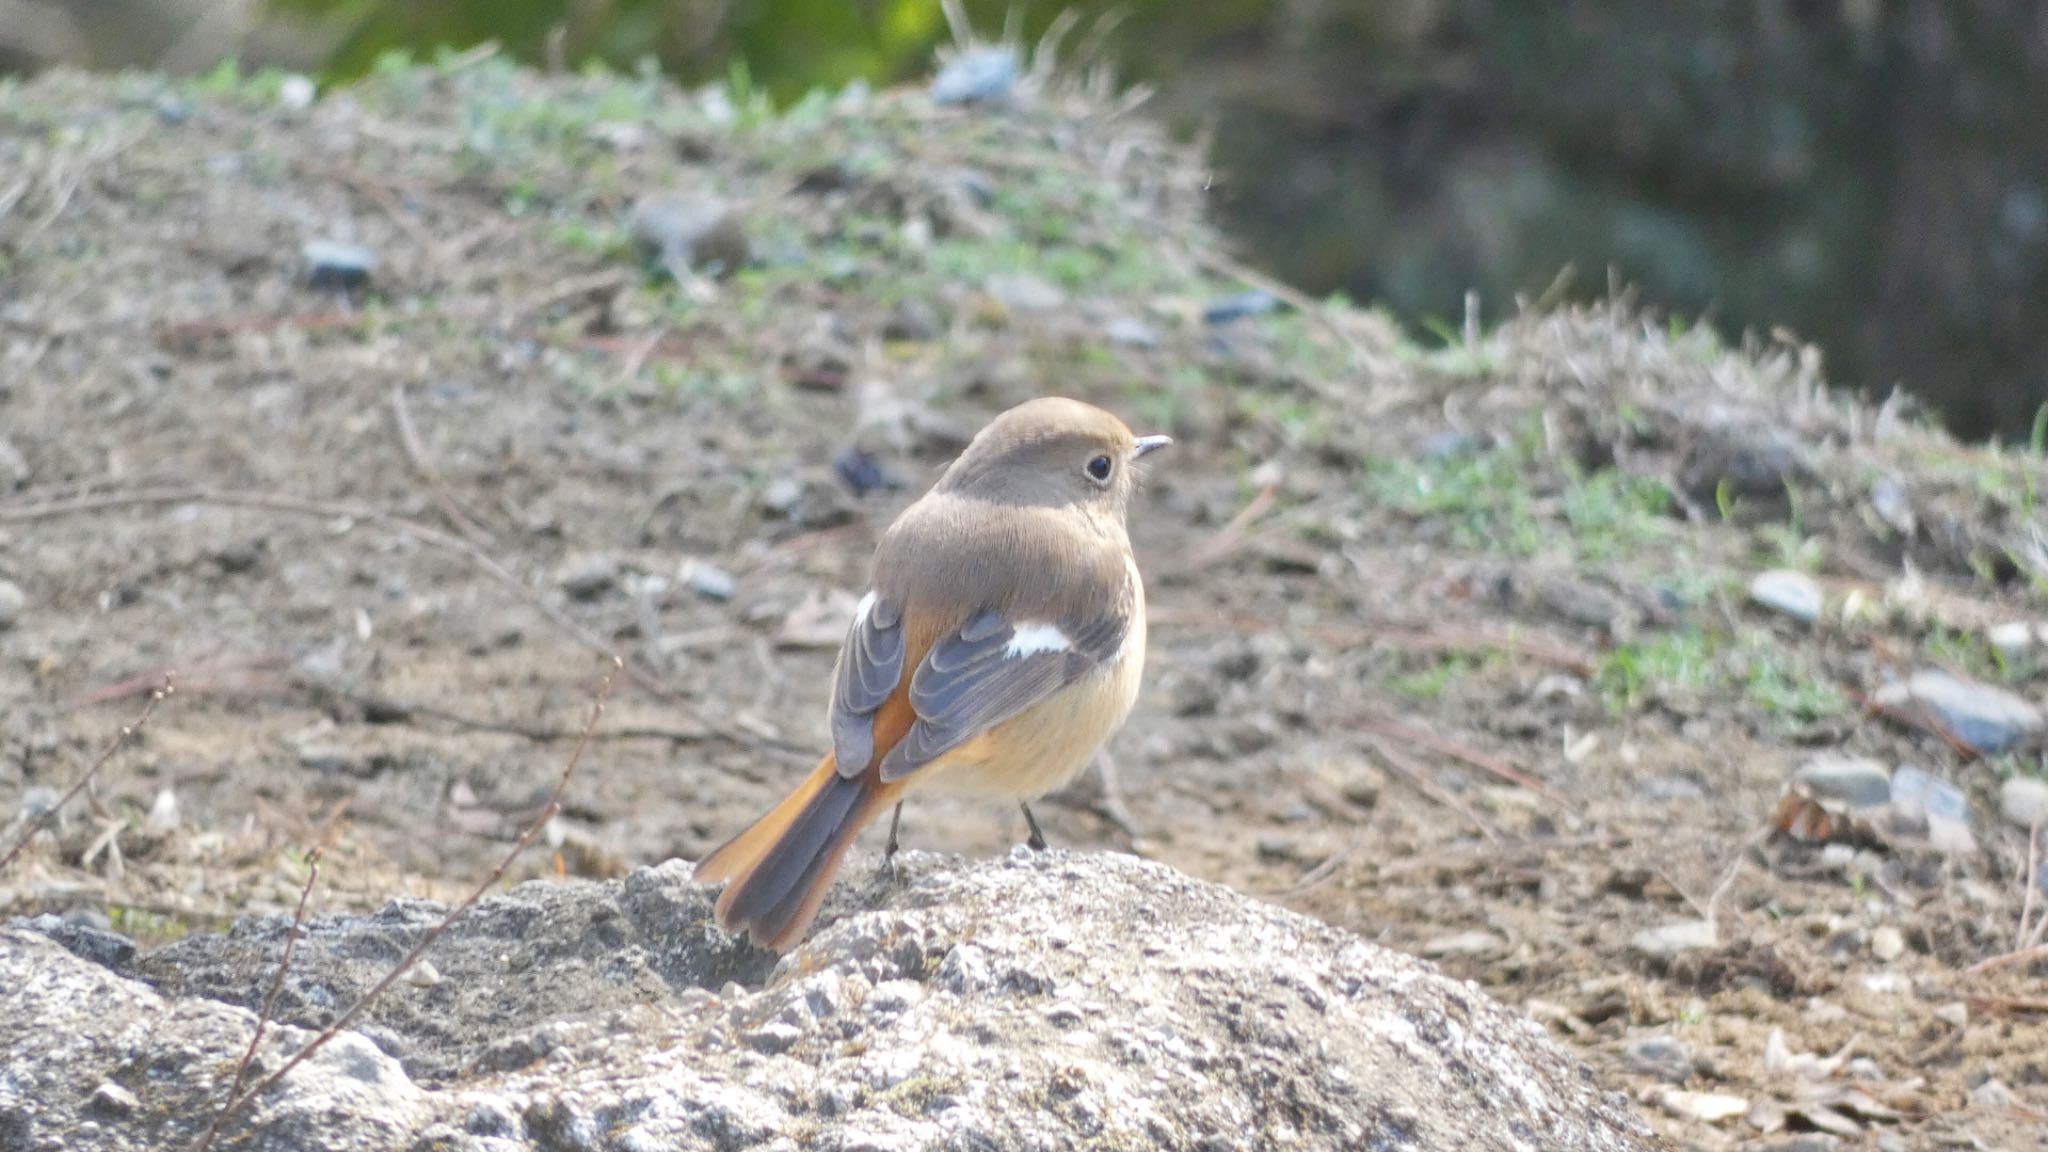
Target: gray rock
x,y
709,580
1860,782
807,503
1672,939
913,319
1659,1055
14,467
2023,801
102,946
1666,789
1793,593
1920,795
1132,333
588,577
12,602
1989,720
674,231
1047,1000
1894,504
1474,943
986,75
334,266
1741,461
1024,292
2014,638
1233,308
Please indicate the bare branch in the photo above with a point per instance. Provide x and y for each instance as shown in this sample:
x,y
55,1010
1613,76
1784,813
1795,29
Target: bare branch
x,y
42,819
406,963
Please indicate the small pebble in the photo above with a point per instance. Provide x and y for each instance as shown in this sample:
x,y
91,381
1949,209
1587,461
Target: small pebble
x,y
861,472
1464,944
1023,292
1860,782
1992,1095
14,467
1273,846
1673,939
331,759
1132,333
1449,444
1989,720
808,504
2023,801
332,266
163,812
296,92
1707,1107
1661,1056
1231,308
670,231
1665,789
773,1037
114,1100
913,319
2014,639
12,602
1894,504
1955,1014
1793,593
1744,460
978,76
423,974
1887,944
708,580
588,577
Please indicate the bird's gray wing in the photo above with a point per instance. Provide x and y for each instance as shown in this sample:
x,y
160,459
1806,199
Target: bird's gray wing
x,y
990,670
870,668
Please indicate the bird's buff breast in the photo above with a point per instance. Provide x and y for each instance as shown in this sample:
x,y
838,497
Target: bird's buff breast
x,y
1038,751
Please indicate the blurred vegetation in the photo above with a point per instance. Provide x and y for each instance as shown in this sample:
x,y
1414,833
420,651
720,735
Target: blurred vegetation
x,y
1868,174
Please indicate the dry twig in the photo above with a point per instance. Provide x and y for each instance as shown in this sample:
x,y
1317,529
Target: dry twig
x,y
237,1102
42,819
1419,776
269,1009
1227,538
416,454
1459,750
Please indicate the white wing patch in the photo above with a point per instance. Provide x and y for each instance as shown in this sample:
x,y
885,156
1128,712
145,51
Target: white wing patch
x,y
860,612
1032,639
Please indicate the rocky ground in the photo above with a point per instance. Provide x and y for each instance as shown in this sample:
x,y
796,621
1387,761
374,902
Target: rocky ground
x,y
377,415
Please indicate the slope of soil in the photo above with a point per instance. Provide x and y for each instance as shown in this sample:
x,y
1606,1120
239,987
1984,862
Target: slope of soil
x,y
1451,646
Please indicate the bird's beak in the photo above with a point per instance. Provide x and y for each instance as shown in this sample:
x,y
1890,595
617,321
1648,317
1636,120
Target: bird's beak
x,y
1150,444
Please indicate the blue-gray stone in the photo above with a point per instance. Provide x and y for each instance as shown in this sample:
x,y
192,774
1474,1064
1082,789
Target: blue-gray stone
x,y
1254,303
978,76
1854,780
1793,593
1986,719
334,265
1946,809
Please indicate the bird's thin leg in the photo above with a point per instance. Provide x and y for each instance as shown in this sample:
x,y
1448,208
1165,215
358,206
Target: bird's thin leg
x,y
1037,842
889,849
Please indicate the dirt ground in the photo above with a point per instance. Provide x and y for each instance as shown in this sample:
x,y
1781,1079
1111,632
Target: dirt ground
x,y
1450,644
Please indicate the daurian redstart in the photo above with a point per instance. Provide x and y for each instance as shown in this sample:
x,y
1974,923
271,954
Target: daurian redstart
x,y
1000,643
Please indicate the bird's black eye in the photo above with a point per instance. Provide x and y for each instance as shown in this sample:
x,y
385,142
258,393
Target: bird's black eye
x,y
1099,469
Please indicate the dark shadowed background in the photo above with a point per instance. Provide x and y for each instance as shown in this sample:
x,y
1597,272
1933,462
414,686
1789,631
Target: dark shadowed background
x,y
1869,174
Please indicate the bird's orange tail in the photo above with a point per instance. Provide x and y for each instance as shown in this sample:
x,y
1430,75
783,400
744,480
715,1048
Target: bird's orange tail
x,y
781,865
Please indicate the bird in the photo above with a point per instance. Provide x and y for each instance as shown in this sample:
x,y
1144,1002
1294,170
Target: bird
x,y
999,645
